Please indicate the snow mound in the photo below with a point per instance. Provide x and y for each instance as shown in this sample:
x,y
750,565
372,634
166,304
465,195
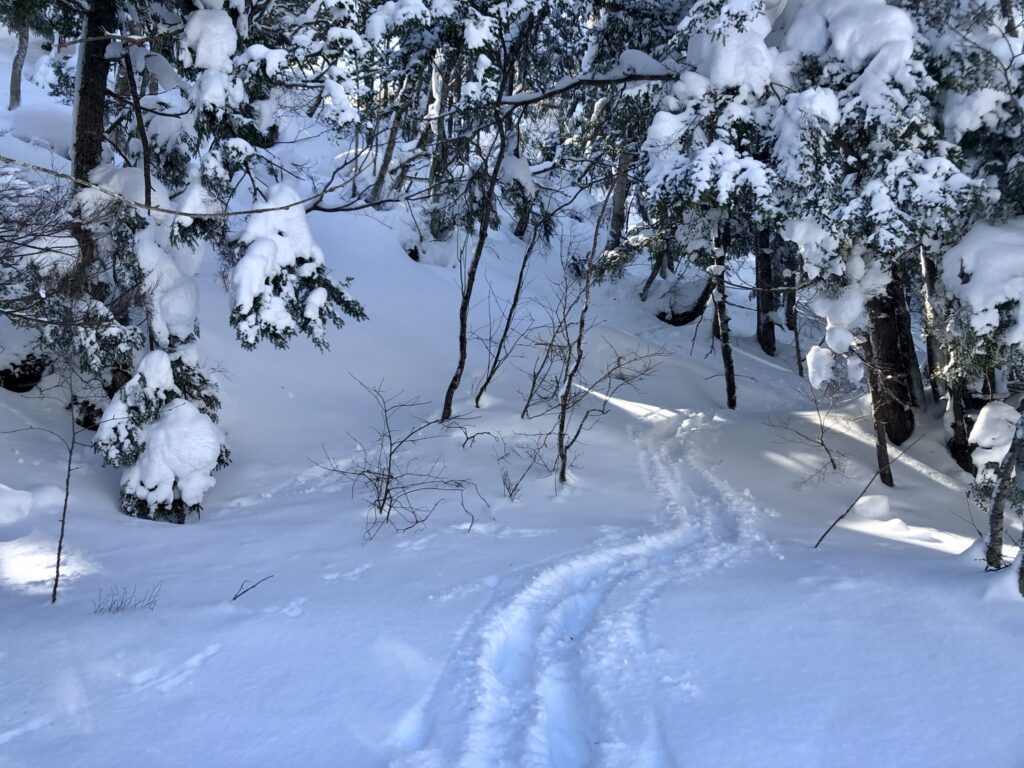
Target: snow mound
x,y
993,433
872,507
14,505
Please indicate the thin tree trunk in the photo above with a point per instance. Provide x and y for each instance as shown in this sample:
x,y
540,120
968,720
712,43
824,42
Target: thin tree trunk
x,y
487,205
878,417
17,67
893,391
657,267
385,163
574,362
499,349
764,287
722,314
70,445
620,195
1004,478
140,126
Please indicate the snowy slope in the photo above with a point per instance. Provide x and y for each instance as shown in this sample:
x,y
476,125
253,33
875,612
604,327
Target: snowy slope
x,y
665,608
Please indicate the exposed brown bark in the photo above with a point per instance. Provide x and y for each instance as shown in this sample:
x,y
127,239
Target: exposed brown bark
x,y
17,67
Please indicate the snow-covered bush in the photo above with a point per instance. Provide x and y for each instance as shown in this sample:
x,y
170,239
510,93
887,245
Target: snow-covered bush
x,y
167,446
280,285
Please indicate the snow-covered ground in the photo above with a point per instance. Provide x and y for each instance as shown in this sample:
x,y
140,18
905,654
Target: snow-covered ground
x,y
665,608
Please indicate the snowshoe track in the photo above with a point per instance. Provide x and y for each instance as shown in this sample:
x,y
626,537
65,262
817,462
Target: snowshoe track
x,y
558,673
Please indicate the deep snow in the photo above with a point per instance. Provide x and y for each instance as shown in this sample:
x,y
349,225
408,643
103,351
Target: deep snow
x,y
665,608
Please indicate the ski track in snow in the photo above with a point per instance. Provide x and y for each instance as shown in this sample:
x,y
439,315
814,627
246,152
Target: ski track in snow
x,y
561,672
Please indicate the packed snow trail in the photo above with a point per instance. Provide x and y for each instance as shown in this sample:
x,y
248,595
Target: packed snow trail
x,y
561,672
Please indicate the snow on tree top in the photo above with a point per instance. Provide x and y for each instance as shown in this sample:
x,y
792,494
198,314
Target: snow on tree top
x,y
209,40
985,270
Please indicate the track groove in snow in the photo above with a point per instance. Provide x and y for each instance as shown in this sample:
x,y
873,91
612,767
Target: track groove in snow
x,y
546,667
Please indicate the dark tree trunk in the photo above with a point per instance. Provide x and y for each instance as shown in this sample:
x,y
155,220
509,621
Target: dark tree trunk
x,y
439,163
1006,6
891,397
958,445
90,119
722,315
791,262
935,311
93,68
764,288
523,198
620,194
1012,462
17,66
915,382
694,312
878,417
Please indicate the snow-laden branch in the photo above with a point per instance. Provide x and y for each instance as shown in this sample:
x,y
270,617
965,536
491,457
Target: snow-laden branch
x,y
633,67
314,198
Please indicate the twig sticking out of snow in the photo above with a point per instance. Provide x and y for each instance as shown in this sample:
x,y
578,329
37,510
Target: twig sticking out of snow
x,y
853,503
122,599
242,589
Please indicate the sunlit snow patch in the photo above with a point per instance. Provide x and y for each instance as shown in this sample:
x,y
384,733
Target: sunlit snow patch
x,y
26,565
871,515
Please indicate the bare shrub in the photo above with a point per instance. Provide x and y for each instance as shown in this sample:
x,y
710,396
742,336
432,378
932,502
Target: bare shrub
x,y
400,486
